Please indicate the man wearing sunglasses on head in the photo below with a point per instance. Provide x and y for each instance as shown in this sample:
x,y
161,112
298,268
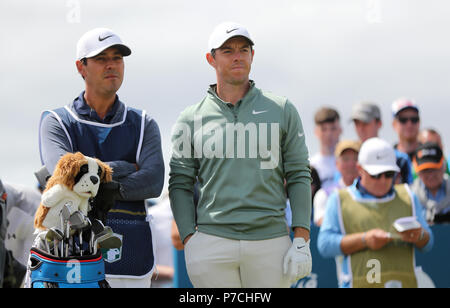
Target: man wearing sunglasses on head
x,y
407,124
359,222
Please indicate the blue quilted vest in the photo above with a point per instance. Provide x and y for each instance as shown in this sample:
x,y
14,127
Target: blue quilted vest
x,y
109,142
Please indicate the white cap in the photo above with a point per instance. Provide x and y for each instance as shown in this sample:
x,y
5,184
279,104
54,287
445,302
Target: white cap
x,y
377,156
224,32
95,41
402,104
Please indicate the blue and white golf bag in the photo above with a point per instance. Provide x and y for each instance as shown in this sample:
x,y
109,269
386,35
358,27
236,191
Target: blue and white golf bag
x,y
48,271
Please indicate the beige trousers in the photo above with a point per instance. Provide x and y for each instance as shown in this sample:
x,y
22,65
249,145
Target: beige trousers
x,y
134,283
216,262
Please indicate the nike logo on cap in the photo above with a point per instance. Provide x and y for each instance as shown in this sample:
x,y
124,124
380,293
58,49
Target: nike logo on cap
x,y
381,156
104,38
229,31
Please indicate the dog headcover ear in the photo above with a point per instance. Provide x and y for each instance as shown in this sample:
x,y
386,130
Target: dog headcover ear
x,y
106,172
66,169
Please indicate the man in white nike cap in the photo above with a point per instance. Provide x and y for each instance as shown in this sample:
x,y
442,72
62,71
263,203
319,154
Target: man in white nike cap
x,y
100,125
237,234
359,223
97,40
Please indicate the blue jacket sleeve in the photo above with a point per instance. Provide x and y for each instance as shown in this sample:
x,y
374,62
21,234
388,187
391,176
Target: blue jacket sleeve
x,y
53,142
148,180
330,234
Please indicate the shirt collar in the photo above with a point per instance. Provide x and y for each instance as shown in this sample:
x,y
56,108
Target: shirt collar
x,y
440,194
366,194
250,93
82,108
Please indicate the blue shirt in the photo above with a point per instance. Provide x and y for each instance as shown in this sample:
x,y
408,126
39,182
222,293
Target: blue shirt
x,y
404,163
440,194
330,235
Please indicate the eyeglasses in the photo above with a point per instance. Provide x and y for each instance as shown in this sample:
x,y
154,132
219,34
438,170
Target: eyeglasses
x,y
387,175
413,120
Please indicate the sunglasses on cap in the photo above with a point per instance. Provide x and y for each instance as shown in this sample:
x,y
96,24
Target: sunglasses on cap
x,y
404,120
387,175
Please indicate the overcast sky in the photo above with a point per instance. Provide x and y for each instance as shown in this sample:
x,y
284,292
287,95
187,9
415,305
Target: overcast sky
x,y
315,52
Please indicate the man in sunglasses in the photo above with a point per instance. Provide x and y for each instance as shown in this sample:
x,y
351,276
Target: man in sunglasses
x,y
407,124
366,116
359,222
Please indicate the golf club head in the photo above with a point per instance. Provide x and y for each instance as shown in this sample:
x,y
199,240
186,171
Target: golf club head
x,y
65,211
54,234
43,235
97,226
107,231
78,221
109,241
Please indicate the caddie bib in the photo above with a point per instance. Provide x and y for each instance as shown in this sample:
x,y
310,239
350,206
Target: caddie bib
x,y
395,262
128,219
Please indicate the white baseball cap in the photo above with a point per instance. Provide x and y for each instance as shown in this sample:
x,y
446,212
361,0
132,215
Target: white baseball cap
x,y
95,41
224,32
377,156
402,104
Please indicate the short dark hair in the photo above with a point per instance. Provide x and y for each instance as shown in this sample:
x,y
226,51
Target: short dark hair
x,y
84,62
326,115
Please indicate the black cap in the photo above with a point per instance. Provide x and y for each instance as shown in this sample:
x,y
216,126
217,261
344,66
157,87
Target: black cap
x,y
428,156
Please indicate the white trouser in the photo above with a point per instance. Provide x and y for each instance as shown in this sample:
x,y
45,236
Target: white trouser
x,y
216,262
130,282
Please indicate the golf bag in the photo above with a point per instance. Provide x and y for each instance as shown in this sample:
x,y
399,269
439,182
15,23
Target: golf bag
x,y
48,271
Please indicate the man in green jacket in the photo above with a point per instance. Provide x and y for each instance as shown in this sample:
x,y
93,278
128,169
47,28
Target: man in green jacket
x,y
240,144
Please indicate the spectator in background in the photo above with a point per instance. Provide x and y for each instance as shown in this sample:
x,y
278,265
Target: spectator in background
x,y
358,223
406,124
17,206
433,185
22,204
3,251
432,135
328,130
161,222
346,162
367,119
316,185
